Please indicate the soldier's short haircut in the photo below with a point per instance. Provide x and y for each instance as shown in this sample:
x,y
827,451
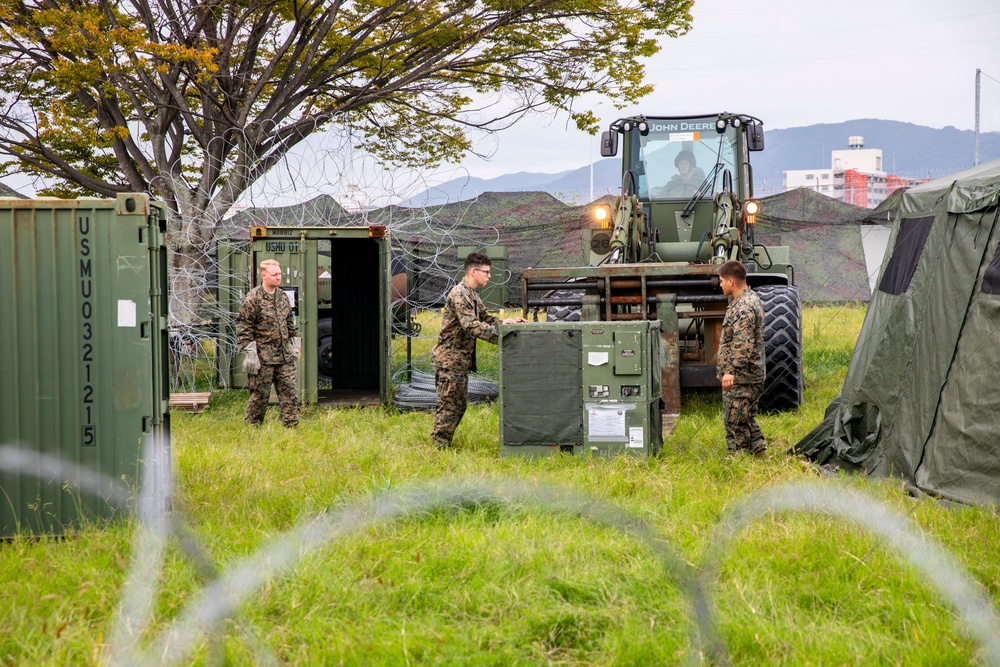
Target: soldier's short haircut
x,y
477,259
268,262
735,270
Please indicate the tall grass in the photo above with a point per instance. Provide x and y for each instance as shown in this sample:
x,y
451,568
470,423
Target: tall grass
x,y
511,585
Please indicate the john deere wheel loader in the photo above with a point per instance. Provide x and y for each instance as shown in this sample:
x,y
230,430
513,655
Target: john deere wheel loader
x,y
686,207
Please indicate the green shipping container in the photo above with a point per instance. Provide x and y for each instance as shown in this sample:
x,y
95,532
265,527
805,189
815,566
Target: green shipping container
x,y
337,279
83,354
580,387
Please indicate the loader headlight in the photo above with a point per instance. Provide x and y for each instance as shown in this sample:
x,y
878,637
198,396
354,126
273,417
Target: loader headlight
x,y
750,210
602,216
722,121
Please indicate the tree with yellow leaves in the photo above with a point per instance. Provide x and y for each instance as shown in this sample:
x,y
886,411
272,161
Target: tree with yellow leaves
x,y
194,100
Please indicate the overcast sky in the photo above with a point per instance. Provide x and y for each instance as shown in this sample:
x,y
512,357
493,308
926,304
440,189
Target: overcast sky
x,y
789,62
793,63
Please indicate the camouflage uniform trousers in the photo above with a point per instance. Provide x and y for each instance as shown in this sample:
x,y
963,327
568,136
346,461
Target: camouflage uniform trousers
x,y
283,376
452,393
739,414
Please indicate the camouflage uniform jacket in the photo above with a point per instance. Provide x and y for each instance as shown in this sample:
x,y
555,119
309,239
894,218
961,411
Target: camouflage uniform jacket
x,y
465,319
267,319
741,350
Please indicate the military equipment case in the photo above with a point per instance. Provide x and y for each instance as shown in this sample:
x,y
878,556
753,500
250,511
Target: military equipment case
x,y
580,387
83,353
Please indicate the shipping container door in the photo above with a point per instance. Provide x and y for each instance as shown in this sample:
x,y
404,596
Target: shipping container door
x,y
297,258
234,271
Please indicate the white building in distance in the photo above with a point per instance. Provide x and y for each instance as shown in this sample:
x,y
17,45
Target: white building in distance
x,y
855,177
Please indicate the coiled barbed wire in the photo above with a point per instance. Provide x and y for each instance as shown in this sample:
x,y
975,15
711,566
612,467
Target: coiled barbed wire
x,y
419,393
327,184
231,588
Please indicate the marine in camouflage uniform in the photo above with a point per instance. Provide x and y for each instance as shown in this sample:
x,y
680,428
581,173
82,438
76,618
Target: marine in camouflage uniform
x,y
465,319
268,320
741,355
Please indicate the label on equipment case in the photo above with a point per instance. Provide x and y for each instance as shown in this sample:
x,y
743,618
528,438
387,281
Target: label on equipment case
x,y
597,358
606,422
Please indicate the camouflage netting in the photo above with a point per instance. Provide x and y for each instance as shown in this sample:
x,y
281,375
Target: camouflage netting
x,y
537,230
825,242
540,231
807,206
321,211
828,259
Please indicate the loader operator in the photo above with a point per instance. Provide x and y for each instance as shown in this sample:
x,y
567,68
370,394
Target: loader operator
x,y
465,319
265,331
741,364
686,181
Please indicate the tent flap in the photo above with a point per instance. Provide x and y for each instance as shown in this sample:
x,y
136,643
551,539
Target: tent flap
x,y
846,439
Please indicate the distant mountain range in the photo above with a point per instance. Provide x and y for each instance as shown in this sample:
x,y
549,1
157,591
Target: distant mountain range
x,y
912,151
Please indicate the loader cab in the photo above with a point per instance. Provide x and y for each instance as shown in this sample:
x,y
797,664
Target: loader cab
x,y
682,164
677,157
677,167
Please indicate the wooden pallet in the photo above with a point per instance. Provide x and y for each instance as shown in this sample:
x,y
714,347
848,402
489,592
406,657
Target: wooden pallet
x,y
194,402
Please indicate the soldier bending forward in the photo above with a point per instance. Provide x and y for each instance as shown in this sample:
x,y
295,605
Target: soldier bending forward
x,y
465,319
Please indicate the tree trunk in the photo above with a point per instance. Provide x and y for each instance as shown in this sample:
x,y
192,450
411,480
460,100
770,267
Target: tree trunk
x,y
191,242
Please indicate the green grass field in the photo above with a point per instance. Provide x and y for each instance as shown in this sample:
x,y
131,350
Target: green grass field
x,y
509,584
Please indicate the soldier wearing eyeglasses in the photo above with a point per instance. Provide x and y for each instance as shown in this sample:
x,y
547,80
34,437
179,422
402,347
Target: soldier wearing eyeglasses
x,y
465,319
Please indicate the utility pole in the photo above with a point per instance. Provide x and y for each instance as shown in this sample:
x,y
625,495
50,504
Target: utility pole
x,y
975,160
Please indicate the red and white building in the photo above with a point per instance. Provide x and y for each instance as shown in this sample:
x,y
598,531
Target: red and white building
x,y
855,177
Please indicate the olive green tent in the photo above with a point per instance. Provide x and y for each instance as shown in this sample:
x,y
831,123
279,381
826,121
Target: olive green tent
x,y
920,399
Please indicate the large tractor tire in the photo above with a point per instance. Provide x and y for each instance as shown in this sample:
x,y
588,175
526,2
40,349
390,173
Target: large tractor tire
x,y
564,313
783,347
